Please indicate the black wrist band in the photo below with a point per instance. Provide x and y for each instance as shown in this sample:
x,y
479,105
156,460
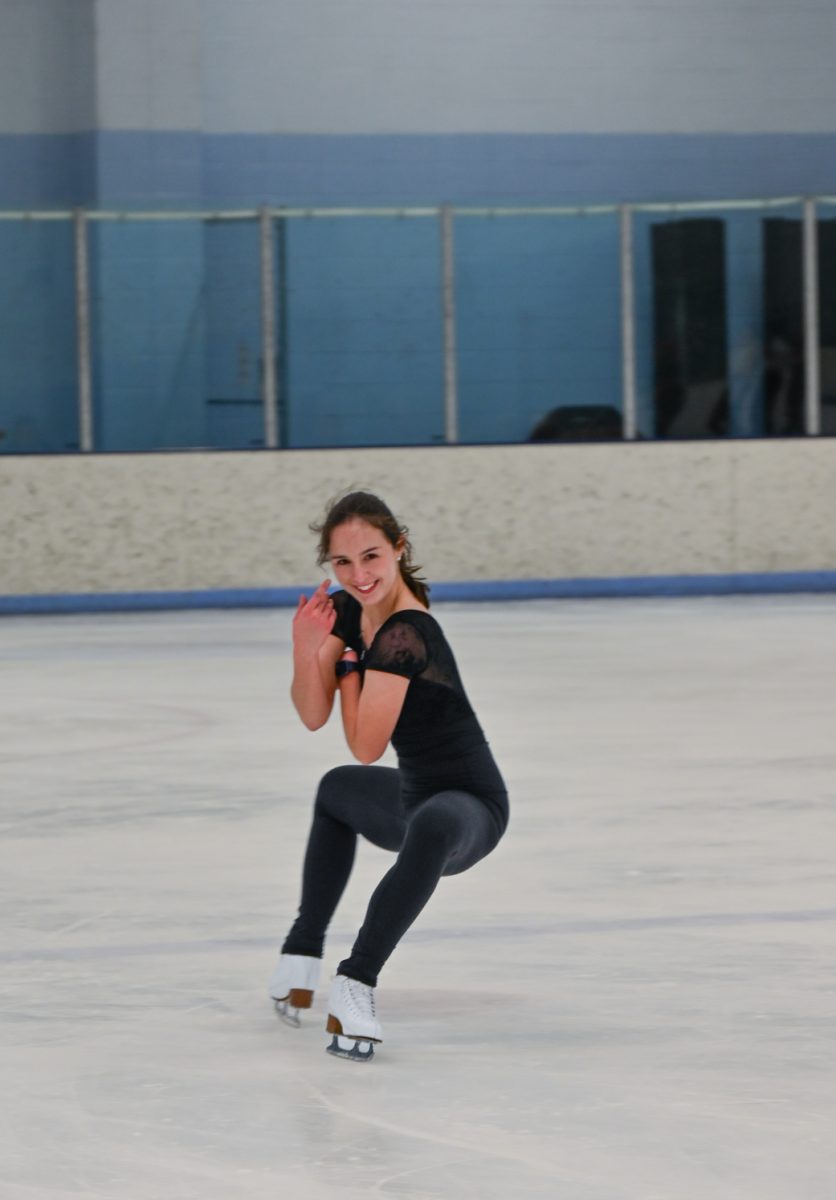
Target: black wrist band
x,y
345,666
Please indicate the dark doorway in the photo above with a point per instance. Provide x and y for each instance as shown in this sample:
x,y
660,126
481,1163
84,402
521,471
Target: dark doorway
x,y
691,390
783,333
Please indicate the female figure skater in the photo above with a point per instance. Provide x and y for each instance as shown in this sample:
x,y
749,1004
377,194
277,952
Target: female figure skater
x,y
442,809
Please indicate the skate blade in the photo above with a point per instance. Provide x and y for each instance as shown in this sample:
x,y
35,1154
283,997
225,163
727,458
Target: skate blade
x,y
288,1014
356,1049
288,1007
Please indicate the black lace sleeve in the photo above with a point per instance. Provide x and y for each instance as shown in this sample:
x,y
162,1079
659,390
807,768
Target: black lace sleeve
x,y
398,648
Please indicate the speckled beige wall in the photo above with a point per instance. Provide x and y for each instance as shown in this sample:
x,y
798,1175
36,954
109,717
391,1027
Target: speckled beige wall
x,y
239,520
785,506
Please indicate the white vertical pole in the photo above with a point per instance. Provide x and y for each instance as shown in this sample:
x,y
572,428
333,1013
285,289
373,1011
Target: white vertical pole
x,y
82,319
628,326
269,377
812,363
448,293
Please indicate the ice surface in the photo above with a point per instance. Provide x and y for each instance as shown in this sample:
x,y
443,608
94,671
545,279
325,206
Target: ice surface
x,y
631,999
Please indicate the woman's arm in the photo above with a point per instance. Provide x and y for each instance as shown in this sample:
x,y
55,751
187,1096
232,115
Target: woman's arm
x,y
315,654
370,710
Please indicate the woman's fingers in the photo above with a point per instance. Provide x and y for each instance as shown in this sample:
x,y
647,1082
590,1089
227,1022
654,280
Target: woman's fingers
x,y
319,606
324,602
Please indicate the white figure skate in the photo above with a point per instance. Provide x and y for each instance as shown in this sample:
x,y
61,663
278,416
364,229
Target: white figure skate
x,y
352,1020
293,984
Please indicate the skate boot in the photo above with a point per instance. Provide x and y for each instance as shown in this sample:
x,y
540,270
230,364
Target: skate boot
x,y
292,986
352,1020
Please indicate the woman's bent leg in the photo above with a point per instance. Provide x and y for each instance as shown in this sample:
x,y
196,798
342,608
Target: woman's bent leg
x,y
447,834
350,801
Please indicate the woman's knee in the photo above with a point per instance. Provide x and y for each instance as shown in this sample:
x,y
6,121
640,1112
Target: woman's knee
x,y
334,786
456,828
436,827
367,799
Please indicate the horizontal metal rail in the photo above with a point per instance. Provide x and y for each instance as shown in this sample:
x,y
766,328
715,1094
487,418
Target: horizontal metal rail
x,y
419,212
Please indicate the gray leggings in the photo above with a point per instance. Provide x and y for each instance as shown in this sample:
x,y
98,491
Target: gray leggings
x,y
443,834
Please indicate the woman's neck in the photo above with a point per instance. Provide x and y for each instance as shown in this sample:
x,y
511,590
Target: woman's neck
x,y
373,616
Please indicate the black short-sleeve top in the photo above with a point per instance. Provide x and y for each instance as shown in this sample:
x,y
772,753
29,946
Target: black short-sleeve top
x,y
436,720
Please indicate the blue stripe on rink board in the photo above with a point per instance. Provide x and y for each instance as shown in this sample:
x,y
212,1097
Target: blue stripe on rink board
x,y
513,589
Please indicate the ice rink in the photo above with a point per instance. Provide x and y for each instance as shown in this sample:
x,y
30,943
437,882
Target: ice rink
x,y
631,999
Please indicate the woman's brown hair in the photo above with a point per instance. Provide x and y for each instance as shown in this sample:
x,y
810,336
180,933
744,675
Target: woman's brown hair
x,y
364,506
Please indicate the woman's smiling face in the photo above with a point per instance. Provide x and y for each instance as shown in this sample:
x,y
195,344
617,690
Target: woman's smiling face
x,y
364,561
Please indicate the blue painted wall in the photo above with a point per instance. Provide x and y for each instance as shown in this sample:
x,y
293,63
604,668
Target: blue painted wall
x,y
363,332
538,320
204,105
37,338
232,298
150,340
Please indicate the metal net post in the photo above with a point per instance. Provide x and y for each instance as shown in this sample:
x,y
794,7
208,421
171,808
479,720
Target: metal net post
x,y
269,375
628,325
82,310
448,286
812,364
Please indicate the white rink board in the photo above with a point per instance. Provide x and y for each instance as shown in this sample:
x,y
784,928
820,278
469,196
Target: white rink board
x,y
184,522
631,999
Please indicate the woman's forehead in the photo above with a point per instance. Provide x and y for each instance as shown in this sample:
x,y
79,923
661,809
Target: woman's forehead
x,y
355,536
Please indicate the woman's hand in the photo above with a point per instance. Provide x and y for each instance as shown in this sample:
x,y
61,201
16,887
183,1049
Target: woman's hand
x,y
313,621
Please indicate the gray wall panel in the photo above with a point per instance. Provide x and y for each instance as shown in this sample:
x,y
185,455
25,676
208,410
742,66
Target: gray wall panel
x,y
394,66
380,66
47,80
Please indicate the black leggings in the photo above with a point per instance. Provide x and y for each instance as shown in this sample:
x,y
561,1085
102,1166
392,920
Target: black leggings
x,y
444,834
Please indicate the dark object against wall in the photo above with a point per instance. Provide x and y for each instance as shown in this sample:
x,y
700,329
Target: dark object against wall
x,y
579,423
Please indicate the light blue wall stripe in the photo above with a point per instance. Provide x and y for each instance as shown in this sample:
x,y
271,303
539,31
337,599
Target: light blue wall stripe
x,y
47,170
496,168
519,168
172,169
517,589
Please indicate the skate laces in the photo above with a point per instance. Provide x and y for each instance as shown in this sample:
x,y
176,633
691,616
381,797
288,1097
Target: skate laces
x,y
360,997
